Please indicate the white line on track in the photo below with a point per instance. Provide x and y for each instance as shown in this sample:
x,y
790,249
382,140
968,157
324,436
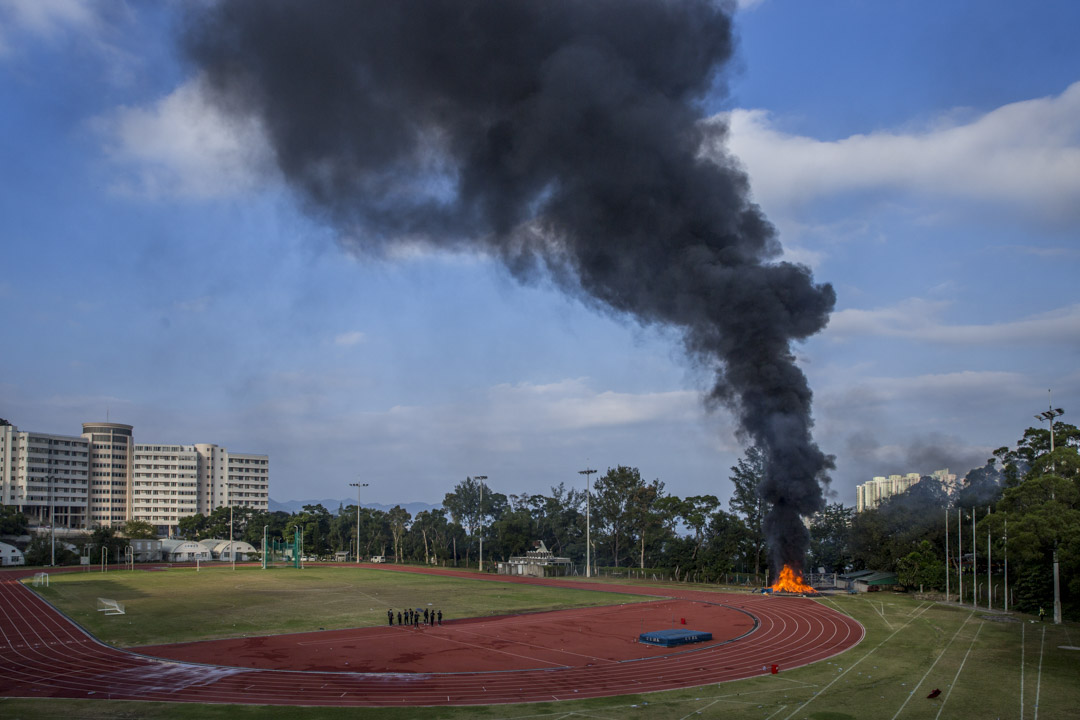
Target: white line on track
x,y
940,654
852,667
958,670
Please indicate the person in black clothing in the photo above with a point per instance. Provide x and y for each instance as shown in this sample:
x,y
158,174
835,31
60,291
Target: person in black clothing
x,y
431,620
425,616
440,617
415,619
399,617
408,617
390,617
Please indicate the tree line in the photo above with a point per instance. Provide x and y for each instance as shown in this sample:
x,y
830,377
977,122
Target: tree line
x,y
637,523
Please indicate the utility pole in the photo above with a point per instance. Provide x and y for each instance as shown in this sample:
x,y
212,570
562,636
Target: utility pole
x,y
358,486
588,516
481,478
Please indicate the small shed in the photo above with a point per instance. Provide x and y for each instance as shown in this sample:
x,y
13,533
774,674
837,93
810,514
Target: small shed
x,y
532,563
223,549
11,555
873,581
183,551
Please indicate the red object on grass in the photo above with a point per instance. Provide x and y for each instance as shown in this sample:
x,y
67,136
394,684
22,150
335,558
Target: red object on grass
x,y
933,694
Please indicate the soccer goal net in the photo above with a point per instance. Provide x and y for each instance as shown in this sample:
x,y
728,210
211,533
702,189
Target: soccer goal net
x,y
41,579
110,607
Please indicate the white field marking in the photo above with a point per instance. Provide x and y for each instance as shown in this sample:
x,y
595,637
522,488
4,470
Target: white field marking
x,y
957,677
797,682
880,612
838,608
940,654
913,611
1022,634
1038,683
560,715
852,667
782,707
698,711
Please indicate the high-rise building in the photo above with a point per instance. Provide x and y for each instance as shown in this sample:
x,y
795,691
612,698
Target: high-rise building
x,y
870,494
103,478
45,476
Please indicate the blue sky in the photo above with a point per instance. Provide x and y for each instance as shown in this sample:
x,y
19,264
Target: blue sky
x,y
922,157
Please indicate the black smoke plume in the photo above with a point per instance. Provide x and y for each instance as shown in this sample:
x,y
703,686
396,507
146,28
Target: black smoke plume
x,y
563,136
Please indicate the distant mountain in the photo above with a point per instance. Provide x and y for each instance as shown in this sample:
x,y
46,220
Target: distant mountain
x,y
295,506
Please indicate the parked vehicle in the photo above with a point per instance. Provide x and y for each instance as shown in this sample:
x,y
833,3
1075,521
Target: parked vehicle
x,y
378,558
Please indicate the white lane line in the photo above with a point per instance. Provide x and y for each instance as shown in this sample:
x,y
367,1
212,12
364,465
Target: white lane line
x,y
1038,683
940,654
880,612
815,695
958,670
1022,634
698,711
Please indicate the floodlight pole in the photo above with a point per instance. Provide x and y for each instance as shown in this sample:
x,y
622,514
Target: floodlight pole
x,y
481,478
1006,564
989,556
960,554
358,486
588,516
947,568
52,520
974,566
232,542
1049,416
264,552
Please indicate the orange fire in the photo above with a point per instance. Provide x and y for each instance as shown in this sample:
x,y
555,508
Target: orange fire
x,y
791,581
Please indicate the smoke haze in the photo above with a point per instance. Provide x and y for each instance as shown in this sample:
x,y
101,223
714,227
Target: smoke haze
x,y
561,136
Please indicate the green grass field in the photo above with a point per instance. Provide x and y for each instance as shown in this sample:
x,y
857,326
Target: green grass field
x,y
180,605
985,668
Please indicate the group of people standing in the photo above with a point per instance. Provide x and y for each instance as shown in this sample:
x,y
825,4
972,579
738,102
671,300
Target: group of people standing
x,y
414,617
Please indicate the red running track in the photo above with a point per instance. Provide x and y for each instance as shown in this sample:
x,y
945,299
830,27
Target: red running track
x,y
43,654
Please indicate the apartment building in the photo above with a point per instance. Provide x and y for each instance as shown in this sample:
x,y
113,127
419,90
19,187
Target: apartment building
x,y
45,476
104,478
871,494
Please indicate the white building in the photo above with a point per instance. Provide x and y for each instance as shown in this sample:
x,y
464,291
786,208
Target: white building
x,y
165,484
870,494
44,476
103,478
11,555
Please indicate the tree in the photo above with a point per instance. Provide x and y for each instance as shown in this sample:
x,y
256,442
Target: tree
x,y
921,568
12,522
138,530
830,535
616,508
746,502
643,519
399,521
191,527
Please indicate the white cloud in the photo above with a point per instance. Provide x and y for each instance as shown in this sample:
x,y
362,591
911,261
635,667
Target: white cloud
x,y
348,339
918,319
48,18
184,146
1025,155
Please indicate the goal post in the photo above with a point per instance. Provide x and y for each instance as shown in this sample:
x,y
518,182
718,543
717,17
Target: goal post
x,y
110,607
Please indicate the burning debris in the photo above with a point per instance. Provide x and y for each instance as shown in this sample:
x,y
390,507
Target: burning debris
x,y
564,138
791,581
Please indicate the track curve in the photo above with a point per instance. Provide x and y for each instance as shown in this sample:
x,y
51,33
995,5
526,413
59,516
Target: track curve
x,y
43,654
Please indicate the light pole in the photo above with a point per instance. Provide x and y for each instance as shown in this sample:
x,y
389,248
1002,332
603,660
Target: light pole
x,y
1049,416
358,485
52,521
481,478
588,514
232,544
